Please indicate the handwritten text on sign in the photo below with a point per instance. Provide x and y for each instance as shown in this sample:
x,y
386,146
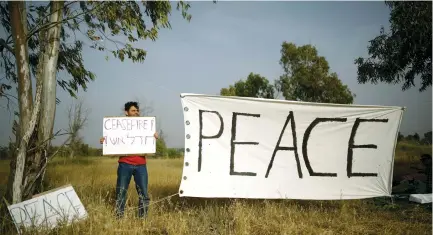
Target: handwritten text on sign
x,y
257,148
62,205
129,135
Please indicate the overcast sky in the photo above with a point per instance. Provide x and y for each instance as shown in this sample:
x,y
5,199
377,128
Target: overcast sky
x,y
223,43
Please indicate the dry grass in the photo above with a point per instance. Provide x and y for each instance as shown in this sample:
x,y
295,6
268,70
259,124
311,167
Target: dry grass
x,y
94,181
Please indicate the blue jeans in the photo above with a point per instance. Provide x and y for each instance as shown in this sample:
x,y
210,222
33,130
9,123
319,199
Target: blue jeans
x,y
124,173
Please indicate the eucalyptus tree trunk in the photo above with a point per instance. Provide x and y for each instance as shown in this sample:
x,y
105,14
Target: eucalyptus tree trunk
x,y
18,19
34,130
47,70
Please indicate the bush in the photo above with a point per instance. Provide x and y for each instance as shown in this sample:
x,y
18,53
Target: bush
x,y
174,153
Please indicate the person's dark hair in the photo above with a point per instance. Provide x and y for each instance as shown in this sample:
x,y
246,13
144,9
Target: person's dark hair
x,y
130,104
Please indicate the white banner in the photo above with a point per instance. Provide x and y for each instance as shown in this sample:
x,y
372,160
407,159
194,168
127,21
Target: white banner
x,y
239,147
49,209
129,135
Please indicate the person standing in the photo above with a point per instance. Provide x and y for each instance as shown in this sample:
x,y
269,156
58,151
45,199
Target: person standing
x,y
132,166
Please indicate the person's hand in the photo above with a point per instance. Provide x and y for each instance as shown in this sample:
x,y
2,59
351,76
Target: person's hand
x,y
156,135
102,140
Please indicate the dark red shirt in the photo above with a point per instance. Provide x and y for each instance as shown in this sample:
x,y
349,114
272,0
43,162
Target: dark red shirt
x,y
133,160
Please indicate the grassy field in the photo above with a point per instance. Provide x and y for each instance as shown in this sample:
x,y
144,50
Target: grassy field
x,y
94,181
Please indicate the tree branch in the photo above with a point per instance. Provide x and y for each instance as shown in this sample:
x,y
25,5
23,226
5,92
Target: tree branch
x,y
55,12
111,40
45,164
52,24
9,100
48,139
3,44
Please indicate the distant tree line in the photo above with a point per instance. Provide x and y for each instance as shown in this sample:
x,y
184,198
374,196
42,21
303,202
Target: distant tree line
x,y
427,139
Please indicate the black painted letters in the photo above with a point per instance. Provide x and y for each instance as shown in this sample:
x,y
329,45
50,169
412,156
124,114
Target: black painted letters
x,y
305,145
201,136
352,146
233,144
290,118
292,147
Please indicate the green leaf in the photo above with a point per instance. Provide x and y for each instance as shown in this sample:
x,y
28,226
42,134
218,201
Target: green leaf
x,y
404,53
254,86
307,78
